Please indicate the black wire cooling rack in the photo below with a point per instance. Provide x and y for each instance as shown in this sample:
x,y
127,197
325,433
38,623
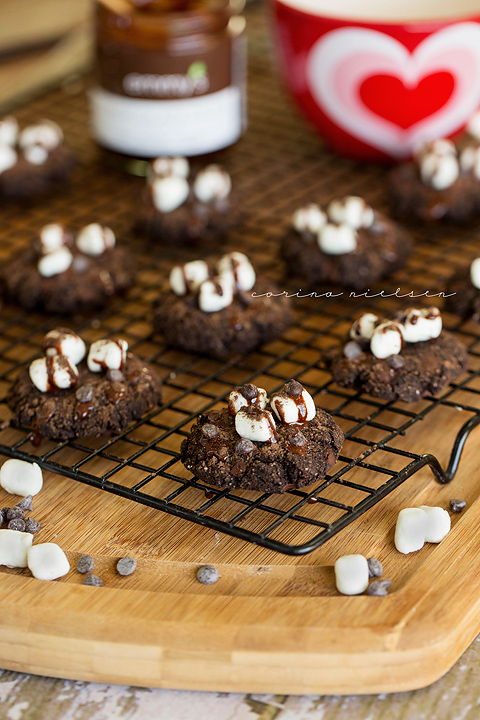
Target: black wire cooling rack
x,y
278,166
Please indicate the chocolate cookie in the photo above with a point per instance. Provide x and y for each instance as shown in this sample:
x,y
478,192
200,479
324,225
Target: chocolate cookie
x,y
347,244
386,361
220,314
34,161
177,210
60,400
288,455
61,277
464,289
438,185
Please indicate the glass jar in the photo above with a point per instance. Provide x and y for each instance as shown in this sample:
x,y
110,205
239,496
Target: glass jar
x,y
171,76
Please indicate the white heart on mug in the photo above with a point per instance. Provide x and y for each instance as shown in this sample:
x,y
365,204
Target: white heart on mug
x,y
343,59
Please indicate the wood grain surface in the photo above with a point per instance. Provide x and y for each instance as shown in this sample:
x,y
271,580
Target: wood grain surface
x,y
272,623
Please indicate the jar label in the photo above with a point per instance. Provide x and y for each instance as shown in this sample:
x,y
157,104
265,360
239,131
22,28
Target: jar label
x,y
148,128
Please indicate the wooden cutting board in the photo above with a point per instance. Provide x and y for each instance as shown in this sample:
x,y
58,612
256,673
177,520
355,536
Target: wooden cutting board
x,y
272,623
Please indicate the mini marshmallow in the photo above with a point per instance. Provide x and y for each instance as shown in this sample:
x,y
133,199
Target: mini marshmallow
x,y
163,166
211,184
95,239
47,561
53,373
35,154
475,273
337,239
107,354
441,146
19,477
55,262
8,157
8,131
61,341
187,278
422,325
309,218
351,574
237,400
293,410
351,210
438,523
473,126
470,160
364,326
215,295
52,237
240,267
255,425
169,192
45,133
410,530
439,171
14,547
386,340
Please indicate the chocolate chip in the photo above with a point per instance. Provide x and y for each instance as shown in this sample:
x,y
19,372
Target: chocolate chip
x,y
244,446
207,575
379,587
293,388
249,391
115,375
85,564
93,580
375,568
210,431
32,525
456,506
17,524
15,512
352,350
84,393
126,566
298,439
26,503
4,512
395,361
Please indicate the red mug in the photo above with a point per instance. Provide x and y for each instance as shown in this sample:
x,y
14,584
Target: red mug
x,y
377,88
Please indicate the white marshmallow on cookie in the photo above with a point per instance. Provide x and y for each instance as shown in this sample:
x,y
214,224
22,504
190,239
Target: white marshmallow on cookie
x,y
8,131
163,166
337,239
309,218
211,184
470,160
53,236
241,269
473,126
35,154
439,171
237,401
107,354
47,561
475,273
169,192
293,410
14,547
53,373
65,342
421,325
364,326
440,146
258,426
8,158
95,239
216,294
45,133
351,210
55,262
187,278
387,339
